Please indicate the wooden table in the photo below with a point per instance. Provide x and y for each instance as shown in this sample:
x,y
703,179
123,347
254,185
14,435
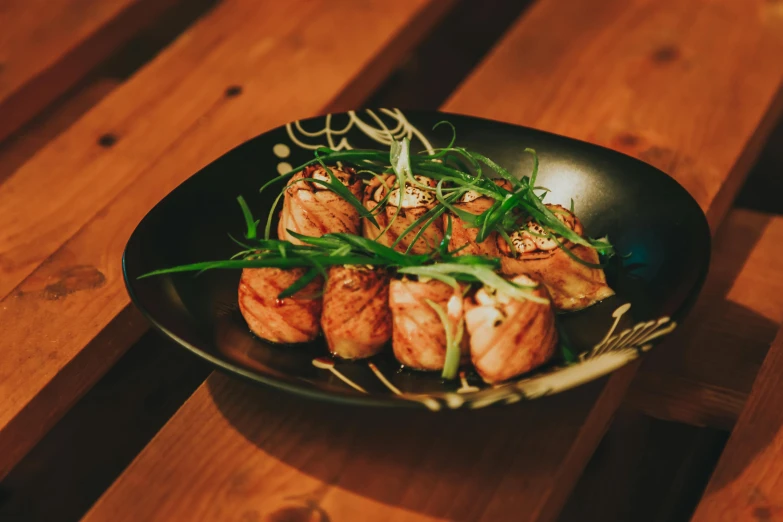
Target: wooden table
x,y
691,87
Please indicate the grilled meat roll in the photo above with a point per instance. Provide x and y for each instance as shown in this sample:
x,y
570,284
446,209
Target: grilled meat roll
x,y
418,334
571,284
509,336
356,318
311,209
462,235
295,319
415,203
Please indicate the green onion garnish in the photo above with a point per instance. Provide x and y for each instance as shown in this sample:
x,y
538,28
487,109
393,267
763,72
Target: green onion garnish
x,y
250,222
451,362
456,170
483,274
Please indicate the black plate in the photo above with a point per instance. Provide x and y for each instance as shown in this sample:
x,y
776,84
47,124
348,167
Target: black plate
x,y
644,212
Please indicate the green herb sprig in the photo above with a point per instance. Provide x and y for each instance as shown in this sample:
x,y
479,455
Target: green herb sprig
x,y
457,171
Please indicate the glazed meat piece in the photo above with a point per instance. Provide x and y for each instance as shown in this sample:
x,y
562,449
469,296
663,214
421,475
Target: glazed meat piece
x,y
509,337
313,210
356,318
415,203
418,334
291,320
462,235
571,284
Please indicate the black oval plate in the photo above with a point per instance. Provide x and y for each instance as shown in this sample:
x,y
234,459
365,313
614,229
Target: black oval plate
x,y
650,219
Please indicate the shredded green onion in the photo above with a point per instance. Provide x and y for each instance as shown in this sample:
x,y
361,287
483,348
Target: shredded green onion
x,y
270,216
451,363
484,274
456,171
250,222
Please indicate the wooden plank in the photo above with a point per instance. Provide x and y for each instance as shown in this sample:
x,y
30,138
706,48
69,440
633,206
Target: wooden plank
x,y
206,93
48,45
281,454
748,482
23,145
704,374
618,72
105,430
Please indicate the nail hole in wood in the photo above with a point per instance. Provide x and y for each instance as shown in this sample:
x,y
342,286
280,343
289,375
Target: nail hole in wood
x,y
107,140
666,54
234,90
762,514
627,139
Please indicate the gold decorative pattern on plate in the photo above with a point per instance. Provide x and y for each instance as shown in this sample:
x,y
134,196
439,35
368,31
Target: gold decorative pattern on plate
x,y
384,131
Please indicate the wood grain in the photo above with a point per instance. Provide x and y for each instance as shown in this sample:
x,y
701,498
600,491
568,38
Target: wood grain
x,y
703,374
178,92
173,117
253,454
102,433
34,136
748,482
649,78
48,45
